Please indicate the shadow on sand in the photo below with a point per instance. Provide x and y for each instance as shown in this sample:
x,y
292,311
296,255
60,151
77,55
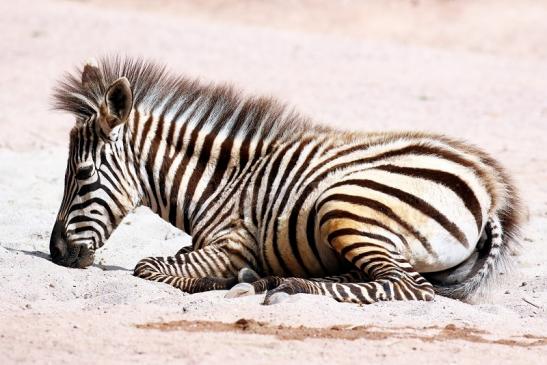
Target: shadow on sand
x,y
45,256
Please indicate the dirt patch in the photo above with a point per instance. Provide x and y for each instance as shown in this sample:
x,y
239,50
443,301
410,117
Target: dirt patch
x,y
449,332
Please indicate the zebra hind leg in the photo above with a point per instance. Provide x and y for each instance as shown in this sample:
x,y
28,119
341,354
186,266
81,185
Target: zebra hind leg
x,y
271,283
389,276
394,284
364,238
374,254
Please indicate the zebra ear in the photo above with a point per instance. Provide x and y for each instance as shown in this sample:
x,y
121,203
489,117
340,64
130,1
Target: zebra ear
x,y
117,105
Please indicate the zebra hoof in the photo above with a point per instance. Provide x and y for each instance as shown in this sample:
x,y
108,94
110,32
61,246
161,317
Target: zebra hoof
x,y
247,275
240,290
276,298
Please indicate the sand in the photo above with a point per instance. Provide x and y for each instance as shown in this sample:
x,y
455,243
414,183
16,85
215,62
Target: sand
x,y
489,88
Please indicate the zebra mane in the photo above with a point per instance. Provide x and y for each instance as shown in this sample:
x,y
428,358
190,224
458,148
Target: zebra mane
x,y
155,89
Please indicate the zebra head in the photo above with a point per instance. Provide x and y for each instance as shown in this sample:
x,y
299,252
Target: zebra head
x,y
100,178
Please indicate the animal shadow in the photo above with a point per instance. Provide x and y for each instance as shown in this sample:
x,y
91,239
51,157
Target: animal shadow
x,y
46,256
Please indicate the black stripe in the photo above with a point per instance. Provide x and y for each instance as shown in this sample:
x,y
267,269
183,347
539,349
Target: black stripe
x,y
83,219
310,224
98,201
150,163
355,232
342,214
116,183
382,208
98,186
451,181
412,200
203,234
368,245
134,131
201,164
259,174
221,164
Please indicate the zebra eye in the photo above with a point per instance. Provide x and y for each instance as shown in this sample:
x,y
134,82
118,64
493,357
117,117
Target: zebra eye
x,y
84,172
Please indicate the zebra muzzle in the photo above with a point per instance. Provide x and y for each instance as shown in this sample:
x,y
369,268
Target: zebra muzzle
x,y
65,254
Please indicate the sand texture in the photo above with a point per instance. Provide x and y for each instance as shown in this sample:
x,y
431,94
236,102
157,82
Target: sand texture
x,y
428,66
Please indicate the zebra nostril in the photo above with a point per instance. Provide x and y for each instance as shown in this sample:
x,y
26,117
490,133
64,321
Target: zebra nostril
x,y
85,257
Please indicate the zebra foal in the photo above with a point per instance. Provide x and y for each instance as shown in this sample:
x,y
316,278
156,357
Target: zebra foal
x,y
273,203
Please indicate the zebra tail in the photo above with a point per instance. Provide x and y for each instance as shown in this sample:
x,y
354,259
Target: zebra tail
x,y
493,258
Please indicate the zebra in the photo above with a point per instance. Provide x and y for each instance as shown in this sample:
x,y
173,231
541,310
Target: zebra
x,y
274,203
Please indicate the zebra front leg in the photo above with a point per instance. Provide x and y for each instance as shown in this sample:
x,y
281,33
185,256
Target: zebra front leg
x,y
213,267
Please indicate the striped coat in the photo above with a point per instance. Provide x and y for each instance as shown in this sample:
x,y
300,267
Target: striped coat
x,y
272,202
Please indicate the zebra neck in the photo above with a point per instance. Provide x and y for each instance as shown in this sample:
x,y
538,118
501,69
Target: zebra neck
x,y
184,170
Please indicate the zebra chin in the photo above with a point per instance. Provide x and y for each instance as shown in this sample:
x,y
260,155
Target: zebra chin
x,y
68,254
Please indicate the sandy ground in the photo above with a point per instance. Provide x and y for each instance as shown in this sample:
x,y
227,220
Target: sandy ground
x,y
447,74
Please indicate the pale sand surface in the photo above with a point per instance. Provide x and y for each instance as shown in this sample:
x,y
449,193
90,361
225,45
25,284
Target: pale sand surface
x,y
494,96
